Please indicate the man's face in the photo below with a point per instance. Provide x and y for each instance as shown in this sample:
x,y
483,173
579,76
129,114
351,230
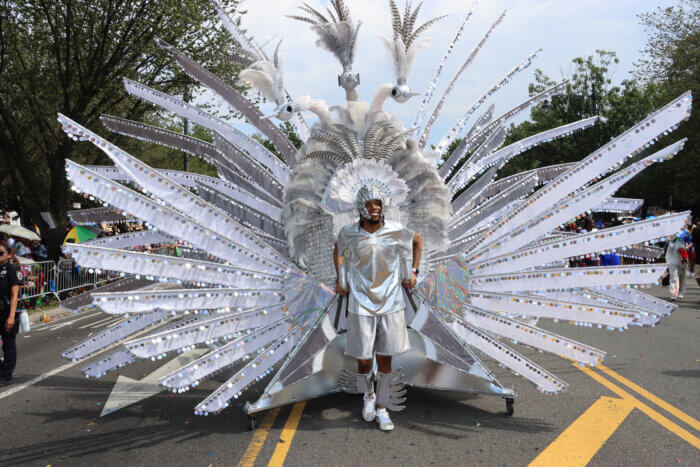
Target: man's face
x,y
4,255
374,207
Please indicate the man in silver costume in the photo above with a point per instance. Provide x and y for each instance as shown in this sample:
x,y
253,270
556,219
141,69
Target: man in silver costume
x,y
373,258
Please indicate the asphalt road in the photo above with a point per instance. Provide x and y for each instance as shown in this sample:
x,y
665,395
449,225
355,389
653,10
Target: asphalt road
x,y
56,419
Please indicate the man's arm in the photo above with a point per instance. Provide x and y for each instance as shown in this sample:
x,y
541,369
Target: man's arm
x,y
339,262
417,250
14,294
417,253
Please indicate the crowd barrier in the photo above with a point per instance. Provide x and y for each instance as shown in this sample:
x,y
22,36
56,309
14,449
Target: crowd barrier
x,y
49,278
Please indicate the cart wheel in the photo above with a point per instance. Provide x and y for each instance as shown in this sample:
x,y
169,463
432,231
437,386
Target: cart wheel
x,y
251,423
509,406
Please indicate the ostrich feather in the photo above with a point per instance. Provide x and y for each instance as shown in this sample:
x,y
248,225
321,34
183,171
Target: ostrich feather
x,y
403,26
339,39
336,33
402,56
267,77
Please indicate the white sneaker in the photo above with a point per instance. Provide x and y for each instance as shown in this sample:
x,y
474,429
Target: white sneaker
x,y
369,409
680,297
385,423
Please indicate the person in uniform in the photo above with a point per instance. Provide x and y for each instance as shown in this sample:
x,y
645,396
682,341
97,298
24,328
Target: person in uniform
x,y
373,258
9,322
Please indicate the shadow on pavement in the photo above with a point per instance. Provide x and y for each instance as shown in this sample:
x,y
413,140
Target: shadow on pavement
x,y
169,419
443,414
163,418
87,444
683,373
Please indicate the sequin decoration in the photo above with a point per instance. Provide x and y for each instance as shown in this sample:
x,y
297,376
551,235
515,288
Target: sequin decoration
x,y
318,250
306,298
446,289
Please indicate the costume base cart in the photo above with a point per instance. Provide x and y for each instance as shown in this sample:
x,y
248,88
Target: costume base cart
x,y
423,366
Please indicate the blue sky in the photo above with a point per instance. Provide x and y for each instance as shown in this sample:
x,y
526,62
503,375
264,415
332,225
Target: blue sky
x,y
564,29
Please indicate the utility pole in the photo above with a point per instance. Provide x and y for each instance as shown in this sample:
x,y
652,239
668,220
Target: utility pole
x,y
186,126
596,111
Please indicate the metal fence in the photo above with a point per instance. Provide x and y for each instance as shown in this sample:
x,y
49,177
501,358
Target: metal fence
x,y
49,278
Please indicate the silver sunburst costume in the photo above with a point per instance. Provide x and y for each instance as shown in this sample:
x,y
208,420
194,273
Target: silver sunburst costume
x,y
260,289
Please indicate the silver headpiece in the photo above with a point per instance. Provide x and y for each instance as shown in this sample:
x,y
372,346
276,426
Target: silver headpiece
x,y
362,180
368,193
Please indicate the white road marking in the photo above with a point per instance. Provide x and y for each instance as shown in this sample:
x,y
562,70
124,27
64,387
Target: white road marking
x,y
62,324
107,324
65,366
97,323
127,391
38,379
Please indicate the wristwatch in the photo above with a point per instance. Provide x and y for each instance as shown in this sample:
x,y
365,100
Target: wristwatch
x,y
416,271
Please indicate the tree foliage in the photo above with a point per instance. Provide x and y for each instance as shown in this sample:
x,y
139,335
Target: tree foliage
x,y
668,68
288,131
590,92
70,56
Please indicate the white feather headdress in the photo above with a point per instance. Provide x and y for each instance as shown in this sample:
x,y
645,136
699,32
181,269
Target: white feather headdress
x,y
377,176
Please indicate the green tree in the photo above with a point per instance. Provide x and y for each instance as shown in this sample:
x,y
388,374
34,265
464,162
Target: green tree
x,y
69,56
288,130
590,92
669,66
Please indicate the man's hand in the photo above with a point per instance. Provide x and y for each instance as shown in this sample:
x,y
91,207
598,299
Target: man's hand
x,y
10,323
339,289
410,283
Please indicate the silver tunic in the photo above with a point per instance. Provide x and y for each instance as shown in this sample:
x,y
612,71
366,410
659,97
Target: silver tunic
x,y
374,269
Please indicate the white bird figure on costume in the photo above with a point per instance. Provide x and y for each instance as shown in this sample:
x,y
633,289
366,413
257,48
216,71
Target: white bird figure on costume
x,y
261,290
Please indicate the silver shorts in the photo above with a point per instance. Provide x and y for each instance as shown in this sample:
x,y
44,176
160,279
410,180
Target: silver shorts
x,y
370,335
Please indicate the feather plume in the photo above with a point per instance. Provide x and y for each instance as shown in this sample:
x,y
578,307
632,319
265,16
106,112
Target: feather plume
x,y
342,9
395,18
331,15
267,77
424,27
428,195
405,44
339,39
403,27
303,19
403,57
307,8
336,33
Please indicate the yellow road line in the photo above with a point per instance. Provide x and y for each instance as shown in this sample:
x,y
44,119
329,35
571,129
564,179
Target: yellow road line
x,y
661,403
648,411
258,440
285,442
577,445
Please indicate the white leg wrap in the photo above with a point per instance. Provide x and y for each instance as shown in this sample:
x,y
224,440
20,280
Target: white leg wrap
x,y
390,390
355,383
